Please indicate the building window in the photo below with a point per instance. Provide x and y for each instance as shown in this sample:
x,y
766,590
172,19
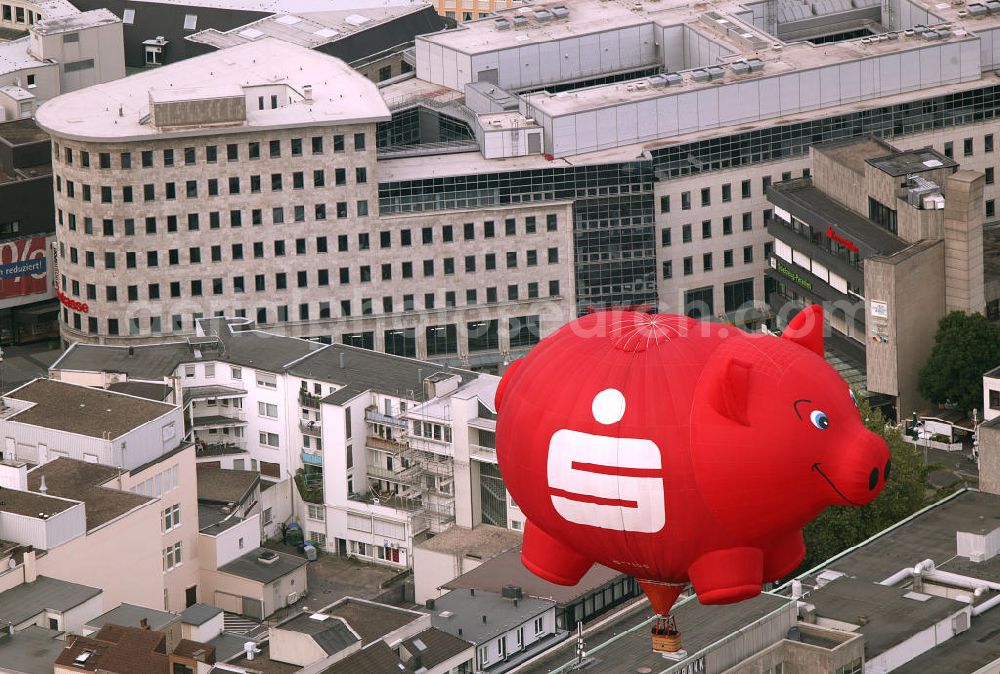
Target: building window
x,y
316,512
685,201
665,203
268,439
967,147
172,557
668,269
171,517
539,625
991,208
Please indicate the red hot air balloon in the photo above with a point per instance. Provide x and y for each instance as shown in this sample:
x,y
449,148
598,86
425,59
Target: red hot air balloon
x,y
679,452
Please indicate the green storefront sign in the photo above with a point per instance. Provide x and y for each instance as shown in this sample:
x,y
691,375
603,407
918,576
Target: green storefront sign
x,y
785,271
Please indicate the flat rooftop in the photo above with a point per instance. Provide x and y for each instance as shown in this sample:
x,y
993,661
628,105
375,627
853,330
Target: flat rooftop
x,y
906,162
482,542
199,614
332,634
623,646
142,361
251,568
222,485
369,619
31,504
73,22
276,6
815,208
32,650
27,600
507,569
340,95
130,615
83,410
464,609
82,481
22,132
931,534
308,29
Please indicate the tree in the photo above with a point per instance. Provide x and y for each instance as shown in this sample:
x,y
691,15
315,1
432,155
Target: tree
x,y
966,346
841,527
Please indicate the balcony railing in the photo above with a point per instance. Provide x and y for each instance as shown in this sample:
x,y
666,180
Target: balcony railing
x,y
204,418
309,400
375,442
404,476
310,427
373,415
483,453
816,240
312,458
221,448
436,467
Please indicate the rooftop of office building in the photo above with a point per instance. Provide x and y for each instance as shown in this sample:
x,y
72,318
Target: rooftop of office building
x,y
82,481
247,88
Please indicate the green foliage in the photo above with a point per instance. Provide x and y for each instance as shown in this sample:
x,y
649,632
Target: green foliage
x,y
840,527
966,346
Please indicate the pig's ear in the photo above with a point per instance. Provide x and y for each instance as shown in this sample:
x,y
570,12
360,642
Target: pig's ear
x,y
806,329
730,390
502,386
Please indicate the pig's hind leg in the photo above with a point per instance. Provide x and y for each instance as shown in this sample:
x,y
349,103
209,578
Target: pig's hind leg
x,y
550,559
728,575
784,556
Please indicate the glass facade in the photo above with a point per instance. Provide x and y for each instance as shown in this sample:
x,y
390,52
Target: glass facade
x,y
613,203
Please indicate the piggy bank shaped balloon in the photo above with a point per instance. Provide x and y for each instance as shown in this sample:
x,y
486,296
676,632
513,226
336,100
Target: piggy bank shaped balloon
x,y
678,451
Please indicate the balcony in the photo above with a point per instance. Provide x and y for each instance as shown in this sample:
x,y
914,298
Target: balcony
x,y
309,400
312,458
481,453
218,418
437,466
235,446
310,427
373,415
212,393
407,476
384,445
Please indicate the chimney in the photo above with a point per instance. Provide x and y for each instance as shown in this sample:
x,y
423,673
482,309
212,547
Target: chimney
x,y
484,619
343,360
42,489
30,570
307,93
143,623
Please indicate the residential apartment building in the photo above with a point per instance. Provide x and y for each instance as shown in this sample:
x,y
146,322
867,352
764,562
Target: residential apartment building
x,y
384,450
890,241
221,173
57,48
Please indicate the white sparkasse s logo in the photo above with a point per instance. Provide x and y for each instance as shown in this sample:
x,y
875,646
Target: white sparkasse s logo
x,y
606,482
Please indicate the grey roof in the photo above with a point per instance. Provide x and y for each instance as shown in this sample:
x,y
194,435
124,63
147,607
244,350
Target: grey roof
x,y
214,391
366,370
199,614
889,617
437,647
625,646
31,651
151,362
130,615
212,521
29,599
225,485
812,206
331,633
906,162
507,569
482,542
378,657
81,481
31,504
250,568
83,410
371,620
143,389
256,349
227,645
468,610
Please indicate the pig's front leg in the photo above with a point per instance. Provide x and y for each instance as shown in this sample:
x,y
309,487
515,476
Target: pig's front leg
x,y
783,556
728,575
547,558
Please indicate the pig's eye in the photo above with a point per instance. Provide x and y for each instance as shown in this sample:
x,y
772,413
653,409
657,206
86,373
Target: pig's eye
x,y
819,420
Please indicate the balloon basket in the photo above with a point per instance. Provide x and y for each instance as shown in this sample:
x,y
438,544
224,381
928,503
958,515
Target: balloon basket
x,y
666,636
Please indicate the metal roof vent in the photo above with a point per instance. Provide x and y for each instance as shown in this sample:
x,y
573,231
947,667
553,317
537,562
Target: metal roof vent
x,y
756,65
268,557
673,79
715,72
700,75
520,22
740,67
501,24
560,12
977,9
658,81
543,15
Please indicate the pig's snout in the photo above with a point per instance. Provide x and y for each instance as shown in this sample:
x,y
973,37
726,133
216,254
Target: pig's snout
x,y
859,473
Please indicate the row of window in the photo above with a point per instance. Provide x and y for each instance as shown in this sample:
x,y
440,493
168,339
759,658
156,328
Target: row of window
x,y
281,313
194,220
12,14
968,146
190,187
210,154
707,263
238,252
406,238
666,238
726,192
199,288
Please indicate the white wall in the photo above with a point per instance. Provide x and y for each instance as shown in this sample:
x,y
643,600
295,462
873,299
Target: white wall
x,y
206,631
227,543
921,642
989,383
